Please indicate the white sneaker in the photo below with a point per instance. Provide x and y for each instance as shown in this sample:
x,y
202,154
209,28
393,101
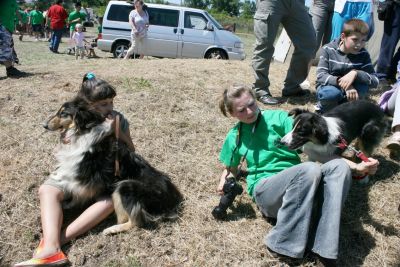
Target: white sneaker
x,y
305,85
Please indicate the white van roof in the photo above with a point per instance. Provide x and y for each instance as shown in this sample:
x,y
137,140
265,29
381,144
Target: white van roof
x,y
156,6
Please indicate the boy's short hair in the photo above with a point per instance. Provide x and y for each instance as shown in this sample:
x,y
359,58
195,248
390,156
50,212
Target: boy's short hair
x,y
355,25
78,4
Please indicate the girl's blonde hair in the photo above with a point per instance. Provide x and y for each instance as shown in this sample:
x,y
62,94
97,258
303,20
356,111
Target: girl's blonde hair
x,y
94,89
229,94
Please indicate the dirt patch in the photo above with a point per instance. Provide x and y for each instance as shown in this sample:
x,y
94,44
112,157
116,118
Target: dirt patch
x,y
171,105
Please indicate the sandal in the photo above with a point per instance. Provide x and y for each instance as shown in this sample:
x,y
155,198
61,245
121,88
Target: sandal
x,y
39,248
56,259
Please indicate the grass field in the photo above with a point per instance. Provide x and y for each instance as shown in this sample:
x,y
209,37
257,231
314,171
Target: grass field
x,y
172,108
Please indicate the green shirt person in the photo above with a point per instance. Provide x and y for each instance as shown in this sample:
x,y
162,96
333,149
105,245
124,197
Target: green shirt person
x,y
75,17
36,17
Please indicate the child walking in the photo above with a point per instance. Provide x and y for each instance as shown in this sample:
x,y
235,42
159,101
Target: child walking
x,y
52,194
78,38
344,71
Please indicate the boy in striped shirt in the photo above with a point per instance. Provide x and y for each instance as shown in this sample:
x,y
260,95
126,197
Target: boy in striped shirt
x,y
345,72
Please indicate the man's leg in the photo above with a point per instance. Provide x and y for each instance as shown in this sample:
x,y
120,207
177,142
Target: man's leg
x,y
266,25
390,39
57,39
288,196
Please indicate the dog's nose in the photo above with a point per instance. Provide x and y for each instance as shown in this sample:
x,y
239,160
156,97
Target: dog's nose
x,y
45,125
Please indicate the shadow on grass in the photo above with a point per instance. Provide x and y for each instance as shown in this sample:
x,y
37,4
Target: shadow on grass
x,y
355,242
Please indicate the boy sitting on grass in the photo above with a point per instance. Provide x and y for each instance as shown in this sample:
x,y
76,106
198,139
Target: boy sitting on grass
x,y
345,71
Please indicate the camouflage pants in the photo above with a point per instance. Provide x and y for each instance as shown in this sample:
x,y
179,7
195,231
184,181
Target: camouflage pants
x,y
6,46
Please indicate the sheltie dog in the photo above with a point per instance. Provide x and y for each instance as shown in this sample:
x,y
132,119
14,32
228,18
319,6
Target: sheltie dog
x,y
320,136
86,168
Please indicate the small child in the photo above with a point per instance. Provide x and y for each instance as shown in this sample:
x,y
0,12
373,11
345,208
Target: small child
x,y
79,39
345,72
53,193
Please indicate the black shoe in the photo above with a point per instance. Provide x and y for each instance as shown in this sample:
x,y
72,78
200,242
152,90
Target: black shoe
x,y
14,73
269,100
325,262
297,92
51,49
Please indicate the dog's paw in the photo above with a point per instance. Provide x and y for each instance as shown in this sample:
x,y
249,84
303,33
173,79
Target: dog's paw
x,y
110,230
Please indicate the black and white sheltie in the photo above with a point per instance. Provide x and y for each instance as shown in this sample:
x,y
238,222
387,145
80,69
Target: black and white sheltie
x,y
86,167
320,136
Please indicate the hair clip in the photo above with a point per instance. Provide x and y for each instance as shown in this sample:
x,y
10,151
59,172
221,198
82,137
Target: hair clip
x,y
90,75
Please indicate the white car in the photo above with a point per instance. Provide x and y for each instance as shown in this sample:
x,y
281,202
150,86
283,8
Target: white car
x,y
174,32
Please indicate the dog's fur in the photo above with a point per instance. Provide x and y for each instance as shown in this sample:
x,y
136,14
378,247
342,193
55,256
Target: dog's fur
x,y
318,136
86,166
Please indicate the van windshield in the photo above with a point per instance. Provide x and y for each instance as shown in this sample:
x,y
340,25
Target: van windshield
x,y
214,21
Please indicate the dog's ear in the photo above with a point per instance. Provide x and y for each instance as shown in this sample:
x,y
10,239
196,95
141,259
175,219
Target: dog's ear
x,y
320,133
86,118
297,111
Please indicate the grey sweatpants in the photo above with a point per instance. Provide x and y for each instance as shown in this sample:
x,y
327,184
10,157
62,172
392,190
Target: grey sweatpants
x,y
297,23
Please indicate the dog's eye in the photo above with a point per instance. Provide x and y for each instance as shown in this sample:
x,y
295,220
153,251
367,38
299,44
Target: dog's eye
x,y
64,114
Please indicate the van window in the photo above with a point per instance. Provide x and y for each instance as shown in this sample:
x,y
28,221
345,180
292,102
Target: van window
x,y
119,13
163,17
195,21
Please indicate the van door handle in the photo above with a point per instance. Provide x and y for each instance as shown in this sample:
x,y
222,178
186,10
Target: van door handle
x,y
182,31
175,30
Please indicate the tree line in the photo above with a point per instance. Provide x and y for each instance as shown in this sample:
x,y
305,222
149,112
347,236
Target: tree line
x,y
233,8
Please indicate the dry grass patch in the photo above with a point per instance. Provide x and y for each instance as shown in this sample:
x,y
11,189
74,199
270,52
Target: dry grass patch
x,y
175,124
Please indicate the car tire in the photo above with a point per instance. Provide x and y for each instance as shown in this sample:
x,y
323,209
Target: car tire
x,y
216,54
120,49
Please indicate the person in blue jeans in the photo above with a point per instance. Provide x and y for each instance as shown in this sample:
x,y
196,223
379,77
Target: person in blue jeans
x,y
345,72
282,187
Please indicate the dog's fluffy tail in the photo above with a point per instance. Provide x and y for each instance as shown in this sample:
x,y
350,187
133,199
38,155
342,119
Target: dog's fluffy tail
x,y
138,203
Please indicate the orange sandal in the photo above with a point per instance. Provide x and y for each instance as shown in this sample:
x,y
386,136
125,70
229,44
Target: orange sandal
x,y
56,259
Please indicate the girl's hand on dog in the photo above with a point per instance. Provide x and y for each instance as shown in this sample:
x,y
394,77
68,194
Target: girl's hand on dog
x,y
369,167
347,80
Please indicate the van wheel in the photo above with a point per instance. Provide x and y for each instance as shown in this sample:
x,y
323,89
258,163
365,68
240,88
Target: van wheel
x,y
216,54
120,49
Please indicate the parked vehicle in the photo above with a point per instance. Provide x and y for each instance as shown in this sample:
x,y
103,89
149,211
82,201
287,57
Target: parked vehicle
x,y
174,32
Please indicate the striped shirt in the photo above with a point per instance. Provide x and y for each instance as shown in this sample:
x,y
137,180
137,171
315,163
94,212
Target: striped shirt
x,y
334,64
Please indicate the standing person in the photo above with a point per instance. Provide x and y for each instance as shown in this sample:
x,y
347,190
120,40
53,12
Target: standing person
x,y
57,16
8,13
53,193
386,66
349,9
74,18
139,20
79,39
36,20
22,22
282,187
296,21
345,71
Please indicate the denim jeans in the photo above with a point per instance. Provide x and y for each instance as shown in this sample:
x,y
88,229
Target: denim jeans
x,y
307,201
329,96
55,39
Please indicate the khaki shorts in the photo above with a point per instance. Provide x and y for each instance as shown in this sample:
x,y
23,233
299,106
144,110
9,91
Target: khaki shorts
x,y
55,183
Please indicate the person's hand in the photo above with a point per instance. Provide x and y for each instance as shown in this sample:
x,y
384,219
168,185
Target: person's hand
x,y
351,94
369,167
221,186
347,80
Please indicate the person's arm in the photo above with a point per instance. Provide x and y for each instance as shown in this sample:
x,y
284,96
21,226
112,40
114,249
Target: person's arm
x,y
126,138
366,74
363,168
323,75
132,23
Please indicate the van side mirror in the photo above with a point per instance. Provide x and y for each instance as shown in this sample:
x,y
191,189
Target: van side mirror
x,y
210,26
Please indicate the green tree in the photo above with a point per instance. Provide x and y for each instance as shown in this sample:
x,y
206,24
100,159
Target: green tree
x,y
248,8
230,7
202,4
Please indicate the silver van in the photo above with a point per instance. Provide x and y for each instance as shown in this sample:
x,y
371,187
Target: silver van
x,y
174,32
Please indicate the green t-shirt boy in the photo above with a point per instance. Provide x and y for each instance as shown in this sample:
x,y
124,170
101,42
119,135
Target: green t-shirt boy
x,y
263,158
36,17
73,16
